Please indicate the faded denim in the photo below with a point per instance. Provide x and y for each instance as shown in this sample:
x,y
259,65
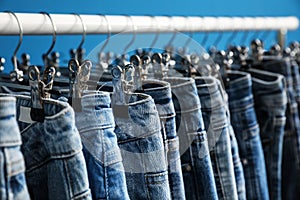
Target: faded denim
x,y
237,164
12,167
195,160
218,132
244,123
55,166
141,144
95,124
270,100
160,91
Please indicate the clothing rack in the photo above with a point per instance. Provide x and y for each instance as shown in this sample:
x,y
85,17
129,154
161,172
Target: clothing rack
x,y
66,24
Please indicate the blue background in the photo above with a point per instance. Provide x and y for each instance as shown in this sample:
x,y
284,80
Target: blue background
x,y
36,45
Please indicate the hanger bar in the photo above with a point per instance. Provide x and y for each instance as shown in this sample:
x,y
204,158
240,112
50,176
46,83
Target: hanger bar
x,y
69,24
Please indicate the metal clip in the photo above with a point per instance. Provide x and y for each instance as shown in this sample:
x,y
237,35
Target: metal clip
x,y
78,78
37,94
137,80
128,81
146,60
73,66
157,66
48,79
118,94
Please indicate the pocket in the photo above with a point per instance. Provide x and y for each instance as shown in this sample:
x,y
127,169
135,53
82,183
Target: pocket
x,y
158,185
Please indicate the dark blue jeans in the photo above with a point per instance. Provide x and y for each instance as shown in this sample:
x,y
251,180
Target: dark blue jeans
x,y
283,66
291,157
141,144
160,91
291,146
55,166
244,123
96,125
12,167
195,160
270,100
218,130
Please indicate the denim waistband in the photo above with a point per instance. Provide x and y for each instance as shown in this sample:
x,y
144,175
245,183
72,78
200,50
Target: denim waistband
x,y
137,119
160,91
96,112
9,131
279,65
55,137
184,89
239,90
209,93
271,85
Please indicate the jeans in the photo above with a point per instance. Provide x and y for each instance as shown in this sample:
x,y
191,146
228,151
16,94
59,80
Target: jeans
x,y
95,124
12,178
237,164
291,151
141,144
291,157
244,123
195,160
270,101
283,66
55,166
160,91
216,124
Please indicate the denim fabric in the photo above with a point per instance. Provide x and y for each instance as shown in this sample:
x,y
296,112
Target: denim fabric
x,y
195,160
296,92
95,124
12,167
244,123
291,150
237,164
296,82
216,124
290,170
270,100
141,144
291,158
55,166
283,66
160,91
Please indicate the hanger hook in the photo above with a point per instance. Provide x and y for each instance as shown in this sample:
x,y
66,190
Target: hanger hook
x,y
265,34
190,34
53,38
157,32
108,33
244,38
255,35
174,30
20,41
231,38
218,39
134,34
205,39
83,33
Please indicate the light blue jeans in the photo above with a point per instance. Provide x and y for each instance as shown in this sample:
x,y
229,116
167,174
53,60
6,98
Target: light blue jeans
x,y
12,178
